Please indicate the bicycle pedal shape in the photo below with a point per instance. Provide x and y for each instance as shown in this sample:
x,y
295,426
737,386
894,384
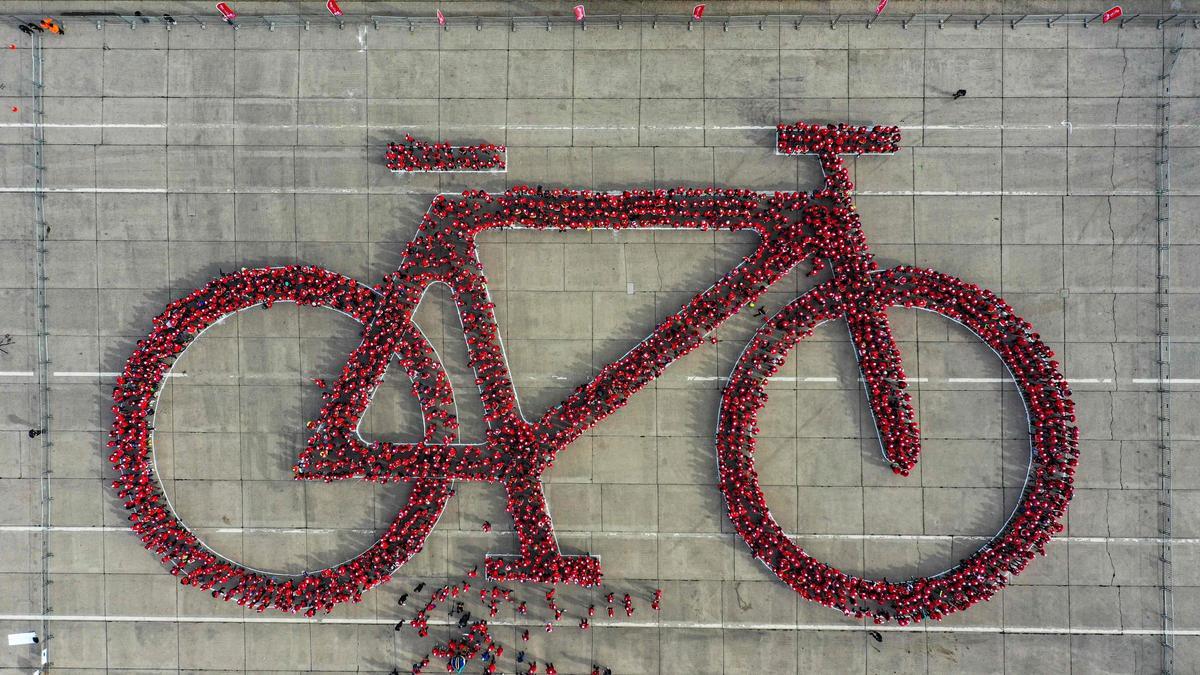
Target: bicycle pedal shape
x,y
822,228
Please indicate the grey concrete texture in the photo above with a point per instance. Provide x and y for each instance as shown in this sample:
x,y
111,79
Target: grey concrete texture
x,y
174,156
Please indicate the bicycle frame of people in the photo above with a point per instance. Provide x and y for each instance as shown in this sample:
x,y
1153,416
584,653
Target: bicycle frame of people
x,y
821,228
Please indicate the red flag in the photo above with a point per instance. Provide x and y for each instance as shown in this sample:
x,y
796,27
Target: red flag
x,y
698,12
880,6
333,8
1111,14
580,14
226,12
441,18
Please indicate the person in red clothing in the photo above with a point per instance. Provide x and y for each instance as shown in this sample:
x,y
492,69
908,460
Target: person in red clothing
x,y
53,26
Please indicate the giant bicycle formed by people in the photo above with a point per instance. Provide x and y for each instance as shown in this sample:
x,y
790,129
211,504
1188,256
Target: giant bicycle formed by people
x,y
821,228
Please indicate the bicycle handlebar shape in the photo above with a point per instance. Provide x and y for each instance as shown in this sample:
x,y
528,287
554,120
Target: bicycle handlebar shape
x,y
816,139
417,156
793,227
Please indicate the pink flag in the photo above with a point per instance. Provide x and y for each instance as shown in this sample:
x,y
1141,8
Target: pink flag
x,y
226,12
333,8
580,14
1111,14
441,18
880,6
698,12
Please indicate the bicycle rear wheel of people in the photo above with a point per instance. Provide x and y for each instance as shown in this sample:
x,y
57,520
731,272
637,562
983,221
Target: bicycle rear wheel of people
x,y
154,521
1048,488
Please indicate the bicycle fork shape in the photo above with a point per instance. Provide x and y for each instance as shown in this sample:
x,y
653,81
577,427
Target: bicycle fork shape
x,y
516,452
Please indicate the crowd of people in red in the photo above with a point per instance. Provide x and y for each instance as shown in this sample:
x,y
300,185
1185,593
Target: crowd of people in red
x,y
414,156
822,228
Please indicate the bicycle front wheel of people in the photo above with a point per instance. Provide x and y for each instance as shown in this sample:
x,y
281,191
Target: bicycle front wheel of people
x,y
1053,442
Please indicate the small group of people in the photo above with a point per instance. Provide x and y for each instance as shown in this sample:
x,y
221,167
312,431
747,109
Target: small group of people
x,y
47,24
475,639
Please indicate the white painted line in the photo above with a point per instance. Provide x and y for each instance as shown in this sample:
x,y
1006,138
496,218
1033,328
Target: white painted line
x,y
64,528
1060,126
252,190
954,380
776,378
603,622
98,529
976,379
87,190
105,125
992,193
690,378
16,373
94,373
1174,380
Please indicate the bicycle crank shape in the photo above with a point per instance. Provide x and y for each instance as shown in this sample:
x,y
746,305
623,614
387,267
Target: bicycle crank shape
x,y
821,228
